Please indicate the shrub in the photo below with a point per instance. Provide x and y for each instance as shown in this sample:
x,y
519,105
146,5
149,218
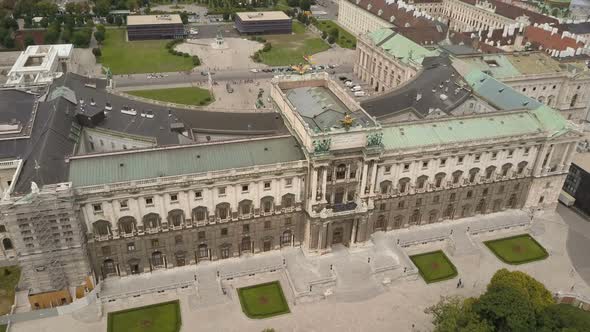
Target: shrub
x,y
96,51
196,60
267,47
331,40
324,34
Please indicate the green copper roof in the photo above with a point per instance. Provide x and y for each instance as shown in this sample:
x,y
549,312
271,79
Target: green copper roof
x,y
136,165
497,93
399,46
457,130
497,65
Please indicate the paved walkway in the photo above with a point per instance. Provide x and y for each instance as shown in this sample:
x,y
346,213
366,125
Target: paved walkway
x,y
360,295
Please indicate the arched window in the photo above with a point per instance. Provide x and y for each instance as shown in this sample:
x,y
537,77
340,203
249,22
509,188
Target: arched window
x,y
108,267
7,244
457,176
127,225
438,179
506,168
200,213
341,172
497,205
225,251
512,202
415,217
385,186
449,212
490,172
403,185
288,200
521,167
286,238
176,217
245,207
550,100
465,210
222,211
473,174
151,220
421,182
267,204
102,227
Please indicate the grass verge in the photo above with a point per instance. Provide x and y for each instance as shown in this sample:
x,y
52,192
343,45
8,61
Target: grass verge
x,y
133,57
263,300
519,249
290,49
185,95
345,39
160,317
434,266
9,277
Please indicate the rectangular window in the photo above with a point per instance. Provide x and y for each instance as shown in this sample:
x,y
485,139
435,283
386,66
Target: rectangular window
x,y
173,197
436,199
178,239
477,158
224,232
401,204
424,164
460,160
406,167
221,191
198,194
382,207
245,188
484,192
106,251
453,197
201,235
469,194
501,189
245,228
149,201
443,162
131,246
267,224
387,169
123,204
155,243
526,151
494,155
288,182
510,153
288,221
97,207
418,201
267,185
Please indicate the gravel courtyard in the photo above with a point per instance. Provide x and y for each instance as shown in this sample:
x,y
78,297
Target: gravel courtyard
x,y
235,56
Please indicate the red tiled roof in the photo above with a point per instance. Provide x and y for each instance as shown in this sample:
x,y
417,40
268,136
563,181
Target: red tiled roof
x,y
423,35
512,12
544,38
402,17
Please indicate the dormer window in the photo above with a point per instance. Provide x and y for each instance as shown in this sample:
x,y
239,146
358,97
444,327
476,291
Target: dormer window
x,y
380,12
358,1
391,19
369,6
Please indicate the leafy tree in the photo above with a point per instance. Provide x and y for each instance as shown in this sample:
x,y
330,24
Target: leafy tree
x,y
507,309
29,40
118,20
334,32
101,28
96,51
331,40
324,34
184,17
51,37
44,22
8,42
102,8
535,292
99,36
305,4
563,317
267,47
10,23
457,315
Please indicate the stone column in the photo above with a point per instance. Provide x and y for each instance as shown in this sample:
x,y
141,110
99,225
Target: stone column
x,y
565,154
314,184
364,179
548,159
353,233
322,236
324,183
539,161
571,152
373,178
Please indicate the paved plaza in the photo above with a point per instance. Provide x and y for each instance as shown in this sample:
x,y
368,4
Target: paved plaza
x,y
369,287
235,54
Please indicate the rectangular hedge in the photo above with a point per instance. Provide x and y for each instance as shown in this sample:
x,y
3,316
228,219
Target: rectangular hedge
x,y
281,308
440,257
493,245
110,320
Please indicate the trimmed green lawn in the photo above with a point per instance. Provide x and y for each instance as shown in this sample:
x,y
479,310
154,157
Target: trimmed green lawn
x,y
186,95
161,317
2,328
263,301
434,266
345,39
290,49
146,56
9,277
518,249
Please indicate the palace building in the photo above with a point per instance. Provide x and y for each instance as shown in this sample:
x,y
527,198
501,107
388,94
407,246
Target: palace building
x,y
96,185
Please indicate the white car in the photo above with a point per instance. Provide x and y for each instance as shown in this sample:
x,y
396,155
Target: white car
x,y
254,70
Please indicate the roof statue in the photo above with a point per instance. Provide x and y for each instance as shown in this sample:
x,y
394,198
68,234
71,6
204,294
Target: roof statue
x,y
347,121
34,188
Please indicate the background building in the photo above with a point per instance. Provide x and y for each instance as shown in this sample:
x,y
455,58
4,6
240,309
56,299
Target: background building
x,y
263,22
140,27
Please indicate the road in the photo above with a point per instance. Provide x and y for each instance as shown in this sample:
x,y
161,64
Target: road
x,y
123,81
578,240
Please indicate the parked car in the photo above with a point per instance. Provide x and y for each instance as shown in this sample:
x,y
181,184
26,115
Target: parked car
x,y
229,88
359,93
348,83
356,88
